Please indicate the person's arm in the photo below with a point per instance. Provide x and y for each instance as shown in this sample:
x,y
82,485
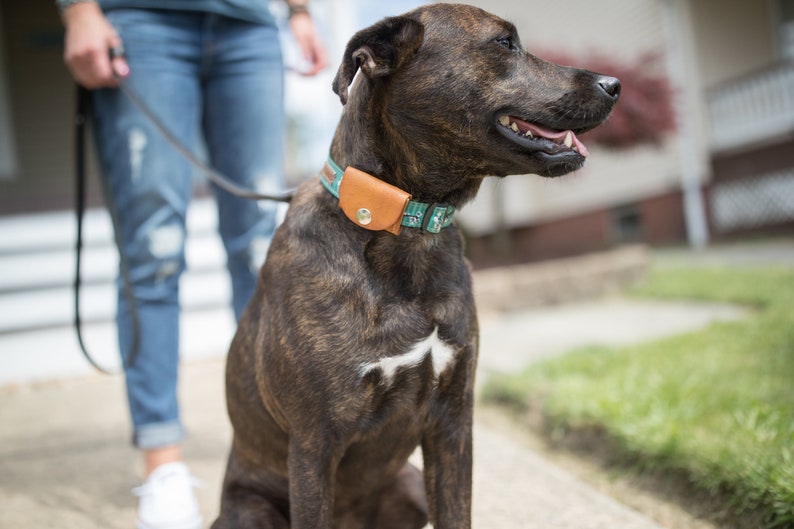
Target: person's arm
x,y
305,33
89,39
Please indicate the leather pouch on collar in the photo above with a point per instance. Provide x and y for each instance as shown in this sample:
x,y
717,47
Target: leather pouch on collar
x,y
371,203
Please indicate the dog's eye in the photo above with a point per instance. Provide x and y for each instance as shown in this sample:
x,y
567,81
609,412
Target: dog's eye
x,y
506,42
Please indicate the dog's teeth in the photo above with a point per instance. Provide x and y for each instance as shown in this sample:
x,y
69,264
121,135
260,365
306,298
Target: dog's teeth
x,y
514,127
528,134
569,140
505,120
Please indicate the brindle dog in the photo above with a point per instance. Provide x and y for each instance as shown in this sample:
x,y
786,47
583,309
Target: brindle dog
x,y
360,345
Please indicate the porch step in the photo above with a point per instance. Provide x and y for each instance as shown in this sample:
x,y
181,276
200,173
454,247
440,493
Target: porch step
x,y
37,263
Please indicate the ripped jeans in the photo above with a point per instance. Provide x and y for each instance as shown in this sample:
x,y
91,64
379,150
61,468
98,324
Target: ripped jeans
x,y
209,77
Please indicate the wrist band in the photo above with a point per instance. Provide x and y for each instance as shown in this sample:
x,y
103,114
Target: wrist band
x,y
297,9
63,4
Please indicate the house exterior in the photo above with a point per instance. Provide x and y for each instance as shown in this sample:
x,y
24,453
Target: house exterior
x,y
729,169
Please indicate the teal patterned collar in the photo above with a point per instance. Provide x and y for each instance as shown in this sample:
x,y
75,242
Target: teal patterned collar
x,y
431,218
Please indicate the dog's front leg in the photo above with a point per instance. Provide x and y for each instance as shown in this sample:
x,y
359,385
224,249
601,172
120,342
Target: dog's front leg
x,y
447,453
312,470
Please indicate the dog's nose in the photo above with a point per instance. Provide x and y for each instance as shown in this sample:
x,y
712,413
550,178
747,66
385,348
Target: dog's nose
x,y
610,85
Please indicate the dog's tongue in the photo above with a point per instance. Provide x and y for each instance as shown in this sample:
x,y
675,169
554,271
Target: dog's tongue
x,y
554,135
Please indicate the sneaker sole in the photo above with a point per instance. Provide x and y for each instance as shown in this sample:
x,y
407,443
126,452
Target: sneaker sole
x,y
193,523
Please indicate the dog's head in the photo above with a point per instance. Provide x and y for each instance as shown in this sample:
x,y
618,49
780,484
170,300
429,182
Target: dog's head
x,y
453,86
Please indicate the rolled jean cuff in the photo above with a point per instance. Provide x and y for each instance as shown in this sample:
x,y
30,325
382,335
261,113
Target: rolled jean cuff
x,y
158,435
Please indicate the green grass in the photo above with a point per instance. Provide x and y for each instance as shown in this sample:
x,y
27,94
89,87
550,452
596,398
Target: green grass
x,y
717,404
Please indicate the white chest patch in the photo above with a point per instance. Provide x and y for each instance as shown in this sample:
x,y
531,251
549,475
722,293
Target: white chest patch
x,y
440,353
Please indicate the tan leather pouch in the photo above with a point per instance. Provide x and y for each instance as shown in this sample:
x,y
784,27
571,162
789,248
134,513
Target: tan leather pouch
x,y
372,203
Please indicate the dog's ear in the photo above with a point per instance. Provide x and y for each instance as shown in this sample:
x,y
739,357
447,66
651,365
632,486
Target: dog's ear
x,y
378,50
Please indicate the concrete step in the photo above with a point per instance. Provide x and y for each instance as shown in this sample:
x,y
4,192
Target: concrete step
x,y
38,260
36,309
37,264
53,266
57,230
53,353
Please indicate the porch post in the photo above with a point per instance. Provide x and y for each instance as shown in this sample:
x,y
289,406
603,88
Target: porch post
x,y
694,212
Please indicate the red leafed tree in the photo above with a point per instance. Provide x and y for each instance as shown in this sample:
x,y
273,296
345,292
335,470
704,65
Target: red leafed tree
x,y
644,113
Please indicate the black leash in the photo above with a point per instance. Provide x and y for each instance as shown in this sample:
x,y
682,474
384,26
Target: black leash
x,y
83,104
82,117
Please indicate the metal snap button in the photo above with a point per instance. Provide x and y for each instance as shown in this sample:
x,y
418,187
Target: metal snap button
x,y
363,216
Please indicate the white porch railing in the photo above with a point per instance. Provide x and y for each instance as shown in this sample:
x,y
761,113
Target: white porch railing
x,y
754,108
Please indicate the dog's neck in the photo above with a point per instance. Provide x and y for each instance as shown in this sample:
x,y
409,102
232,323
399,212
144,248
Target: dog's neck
x,y
367,140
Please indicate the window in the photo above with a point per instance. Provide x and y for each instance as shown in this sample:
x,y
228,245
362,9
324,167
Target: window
x,y
8,159
627,225
786,29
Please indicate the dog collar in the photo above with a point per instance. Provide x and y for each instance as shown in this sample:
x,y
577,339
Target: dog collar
x,y
376,205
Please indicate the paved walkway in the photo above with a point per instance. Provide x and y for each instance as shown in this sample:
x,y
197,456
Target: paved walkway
x,y
66,462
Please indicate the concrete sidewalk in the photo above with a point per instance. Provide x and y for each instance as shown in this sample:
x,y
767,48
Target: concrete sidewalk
x,y
65,458
66,461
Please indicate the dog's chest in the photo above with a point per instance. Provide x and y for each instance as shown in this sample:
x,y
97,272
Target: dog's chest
x,y
440,353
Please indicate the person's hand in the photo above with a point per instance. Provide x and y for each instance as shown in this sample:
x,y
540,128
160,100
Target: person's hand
x,y
312,49
89,39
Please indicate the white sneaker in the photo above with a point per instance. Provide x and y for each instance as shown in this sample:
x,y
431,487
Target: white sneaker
x,y
167,500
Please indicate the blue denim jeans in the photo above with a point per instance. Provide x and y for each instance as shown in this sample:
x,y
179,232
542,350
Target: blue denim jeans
x,y
209,77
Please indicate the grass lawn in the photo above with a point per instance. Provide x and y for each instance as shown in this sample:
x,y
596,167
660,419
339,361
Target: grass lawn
x,y
717,404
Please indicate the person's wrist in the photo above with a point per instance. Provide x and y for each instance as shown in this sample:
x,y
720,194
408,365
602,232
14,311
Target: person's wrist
x,y
63,5
80,11
297,8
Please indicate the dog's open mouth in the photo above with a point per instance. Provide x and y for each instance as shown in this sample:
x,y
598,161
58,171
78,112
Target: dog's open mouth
x,y
536,137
